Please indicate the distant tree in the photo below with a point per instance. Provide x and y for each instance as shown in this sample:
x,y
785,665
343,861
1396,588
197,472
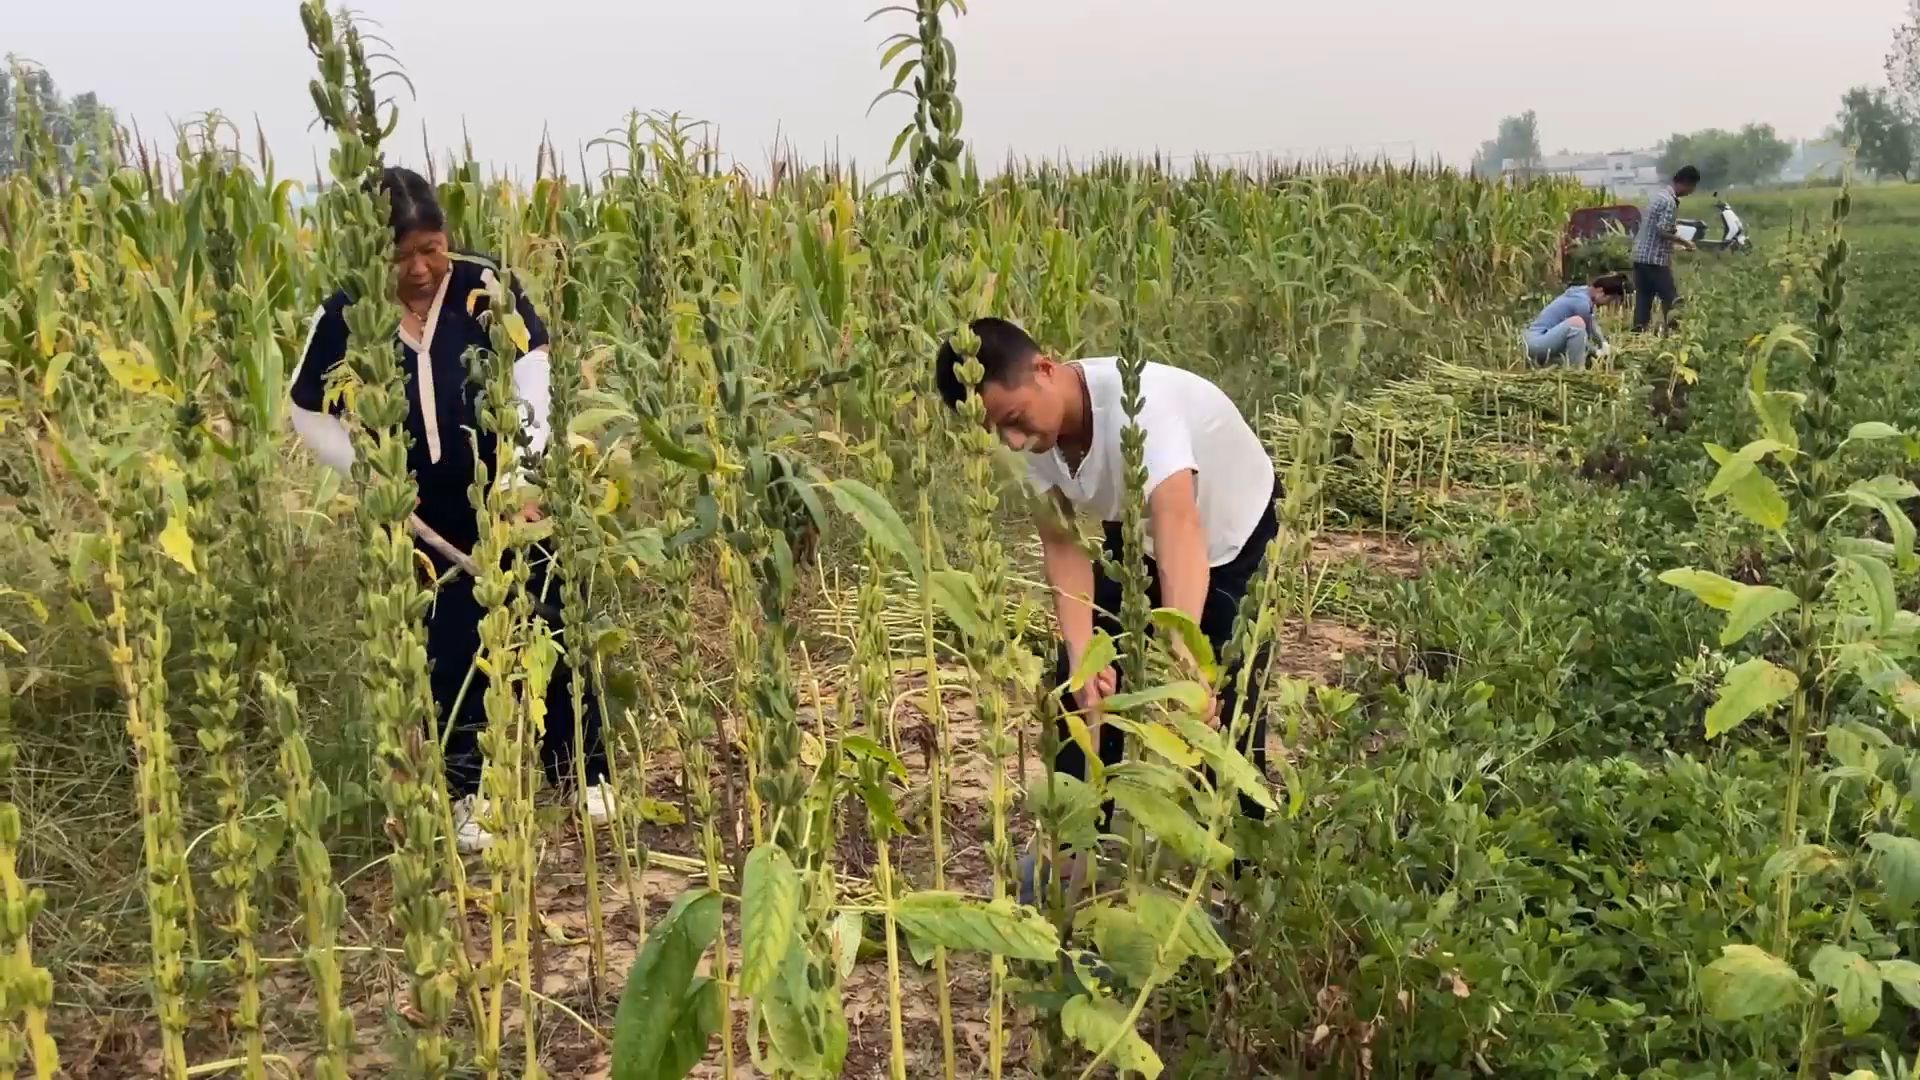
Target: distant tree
x,y
80,128
1873,123
1518,140
1752,155
1903,64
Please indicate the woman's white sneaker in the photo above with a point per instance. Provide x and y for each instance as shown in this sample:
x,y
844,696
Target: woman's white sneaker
x,y
599,804
468,834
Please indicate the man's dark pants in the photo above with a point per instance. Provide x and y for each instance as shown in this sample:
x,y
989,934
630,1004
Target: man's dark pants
x,y
1652,282
1226,585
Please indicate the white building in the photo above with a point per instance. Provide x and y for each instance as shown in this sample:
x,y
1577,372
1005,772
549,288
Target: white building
x,y
1627,173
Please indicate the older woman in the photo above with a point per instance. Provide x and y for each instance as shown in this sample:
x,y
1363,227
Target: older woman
x,y
443,294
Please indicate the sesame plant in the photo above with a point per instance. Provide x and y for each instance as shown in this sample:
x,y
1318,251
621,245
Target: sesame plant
x,y
812,866
397,696
1836,623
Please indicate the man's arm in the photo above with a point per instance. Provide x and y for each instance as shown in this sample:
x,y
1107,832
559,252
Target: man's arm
x,y
1666,223
1070,576
1180,543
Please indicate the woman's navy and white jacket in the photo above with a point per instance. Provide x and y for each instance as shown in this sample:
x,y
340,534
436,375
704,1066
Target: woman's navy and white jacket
x,y
443,402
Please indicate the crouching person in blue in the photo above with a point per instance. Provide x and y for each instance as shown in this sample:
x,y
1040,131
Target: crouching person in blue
x,y
1567,331
443,297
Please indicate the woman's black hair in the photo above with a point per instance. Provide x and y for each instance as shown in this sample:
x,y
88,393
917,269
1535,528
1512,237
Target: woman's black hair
x,y
1612,284
414,205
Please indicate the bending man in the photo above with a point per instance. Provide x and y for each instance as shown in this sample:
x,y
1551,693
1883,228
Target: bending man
x,y
1209,503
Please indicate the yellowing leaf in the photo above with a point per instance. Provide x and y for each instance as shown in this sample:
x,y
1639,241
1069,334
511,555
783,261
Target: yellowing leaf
x,y
1709,588
1855,984
769,915
1161,740
1750,688
1100,1025
1187,695
56,368
1099,656
1904,977
517,331
1898,860
1168,822
1747,981
178,545
1759,500
1752,606
136,374
961,922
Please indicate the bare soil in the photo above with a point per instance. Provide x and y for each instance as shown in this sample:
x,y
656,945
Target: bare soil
x,y
577,1002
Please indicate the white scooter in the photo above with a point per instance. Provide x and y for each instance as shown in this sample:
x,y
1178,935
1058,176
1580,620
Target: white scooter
x,y
1733,231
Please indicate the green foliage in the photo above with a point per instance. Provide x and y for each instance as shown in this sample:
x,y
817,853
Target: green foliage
x,y
75,136
1518,141
1880,133
1752,155
667,1013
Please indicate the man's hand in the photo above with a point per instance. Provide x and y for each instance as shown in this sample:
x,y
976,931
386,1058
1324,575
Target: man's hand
x,y
530,513
1097,690
1687,244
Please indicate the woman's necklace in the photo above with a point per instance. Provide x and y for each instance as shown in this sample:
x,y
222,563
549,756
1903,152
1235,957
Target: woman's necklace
x,y
416,316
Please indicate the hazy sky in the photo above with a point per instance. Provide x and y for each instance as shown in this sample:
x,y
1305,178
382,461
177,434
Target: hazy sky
x,y
1038,77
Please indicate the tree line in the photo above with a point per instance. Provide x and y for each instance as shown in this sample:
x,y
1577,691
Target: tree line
x,y
73,125
1880,124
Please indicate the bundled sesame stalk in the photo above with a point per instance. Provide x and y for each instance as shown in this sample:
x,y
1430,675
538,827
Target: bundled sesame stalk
x,y
323,906
26,989
518,657
396,694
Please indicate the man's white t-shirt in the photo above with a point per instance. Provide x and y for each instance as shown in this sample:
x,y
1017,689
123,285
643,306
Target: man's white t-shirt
x,y
1191,425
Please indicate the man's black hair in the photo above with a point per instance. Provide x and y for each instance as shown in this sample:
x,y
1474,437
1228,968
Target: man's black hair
x,y
1687,175
1006,352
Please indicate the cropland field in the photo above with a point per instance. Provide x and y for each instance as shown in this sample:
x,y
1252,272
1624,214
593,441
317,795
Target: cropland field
x,y
1591,699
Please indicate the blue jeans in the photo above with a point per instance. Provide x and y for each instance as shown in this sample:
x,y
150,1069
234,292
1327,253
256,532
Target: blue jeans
x,y
1567,342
